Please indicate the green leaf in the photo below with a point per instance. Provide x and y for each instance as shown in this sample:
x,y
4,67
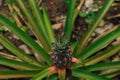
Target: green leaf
x,y
42,74
37,14
69,19
14,13
48,26
34,23
112,73
10,1
17,64
26,39
103,55
82,43
72,47
52,77
25,29
87,75
17,74
12,19
96,5
91,15
100,43
2,28
62,74
77,11
82,14
67,1
103,66
18,52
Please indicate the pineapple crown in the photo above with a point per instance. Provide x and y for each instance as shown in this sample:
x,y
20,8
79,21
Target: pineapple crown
x,y
61,45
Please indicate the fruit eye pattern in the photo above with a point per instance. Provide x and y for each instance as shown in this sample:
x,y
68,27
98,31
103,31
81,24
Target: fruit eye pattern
x,y
61,54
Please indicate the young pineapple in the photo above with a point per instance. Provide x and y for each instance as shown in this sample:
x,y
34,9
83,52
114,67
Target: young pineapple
x,y
61,55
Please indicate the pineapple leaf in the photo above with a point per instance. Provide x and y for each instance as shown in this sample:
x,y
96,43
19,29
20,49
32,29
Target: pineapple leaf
x,y
82,43
113,73
87,75
69,19
100,43
17,64
103,66
26,39
35,25
48,26
103,55
62,74
18,52
17,74
44,73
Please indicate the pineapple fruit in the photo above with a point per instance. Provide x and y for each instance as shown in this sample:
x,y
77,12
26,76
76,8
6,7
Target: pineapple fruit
x,y
61,54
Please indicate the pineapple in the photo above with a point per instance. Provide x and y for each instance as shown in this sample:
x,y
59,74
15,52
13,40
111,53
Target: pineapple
x,y
61,54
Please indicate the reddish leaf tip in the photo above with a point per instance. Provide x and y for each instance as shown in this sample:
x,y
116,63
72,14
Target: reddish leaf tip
x,y
52,70
76,60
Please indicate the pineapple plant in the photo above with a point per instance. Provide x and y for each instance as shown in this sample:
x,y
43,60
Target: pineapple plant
x,y
60,58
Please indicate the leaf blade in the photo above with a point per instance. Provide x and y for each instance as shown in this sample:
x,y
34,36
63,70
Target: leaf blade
x,y
62,74
34,24
26,39
100,43
87,75
17,64
48,26
103,66
41,74
19,53
69,19
17,74
82,43
103,55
